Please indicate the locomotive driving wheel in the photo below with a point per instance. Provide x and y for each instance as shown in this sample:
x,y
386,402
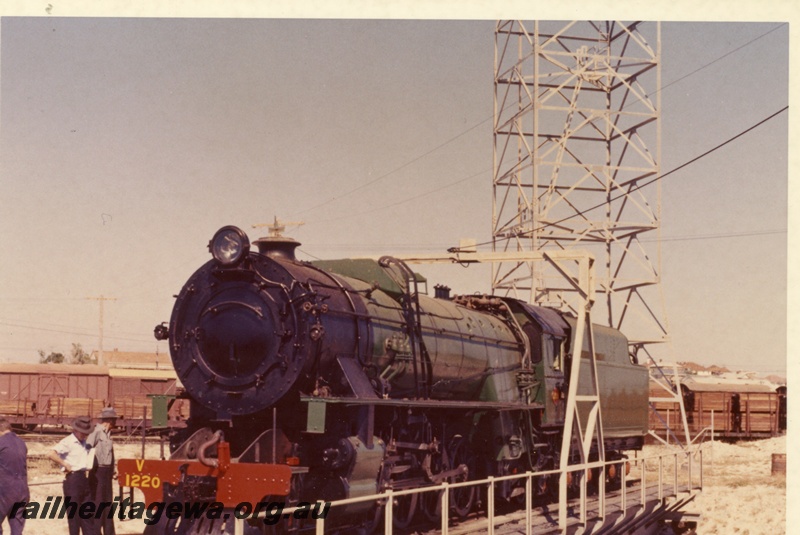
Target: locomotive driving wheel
x,y
462,498
373,520
430,503
403,509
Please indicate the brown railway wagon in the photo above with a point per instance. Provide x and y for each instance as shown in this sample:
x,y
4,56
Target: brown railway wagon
x,y
54,394
739,408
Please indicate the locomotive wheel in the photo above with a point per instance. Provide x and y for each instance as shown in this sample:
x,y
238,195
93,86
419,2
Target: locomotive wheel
x,y
373,522
463,498
403,510
430,503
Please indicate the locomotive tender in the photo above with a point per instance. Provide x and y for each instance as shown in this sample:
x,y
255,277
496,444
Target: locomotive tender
x,y
336,379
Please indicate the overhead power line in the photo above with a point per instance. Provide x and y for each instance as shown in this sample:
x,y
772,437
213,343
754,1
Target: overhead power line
x,y
720,236
45,329
381,177
599,205
655,179
473,127
76,333
751,41
39,324
674,170
409,199
687,237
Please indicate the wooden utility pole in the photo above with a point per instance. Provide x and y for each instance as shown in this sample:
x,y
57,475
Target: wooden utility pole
x,y
101,358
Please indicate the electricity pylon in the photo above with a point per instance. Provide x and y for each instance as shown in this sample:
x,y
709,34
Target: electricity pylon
x,y
577,153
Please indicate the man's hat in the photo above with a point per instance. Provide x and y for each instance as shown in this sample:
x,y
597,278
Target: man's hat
x,y
82,424
108,412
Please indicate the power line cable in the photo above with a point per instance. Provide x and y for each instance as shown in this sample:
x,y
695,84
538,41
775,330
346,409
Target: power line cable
x,y
653,180
62,331
688,237
718,59
420,157
673,82
409,199
381,177
37,324
718,236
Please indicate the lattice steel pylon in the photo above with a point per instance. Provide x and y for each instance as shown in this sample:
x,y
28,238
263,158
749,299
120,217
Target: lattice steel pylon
x,y
577,146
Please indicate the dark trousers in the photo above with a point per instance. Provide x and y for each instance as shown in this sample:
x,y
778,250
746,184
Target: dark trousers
x,y
101,485
76,490
12,492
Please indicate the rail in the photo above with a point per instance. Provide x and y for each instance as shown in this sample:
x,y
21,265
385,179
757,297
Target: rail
x,y
682,476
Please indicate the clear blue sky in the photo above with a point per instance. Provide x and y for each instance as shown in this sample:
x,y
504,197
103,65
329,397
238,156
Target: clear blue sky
x,y
125,143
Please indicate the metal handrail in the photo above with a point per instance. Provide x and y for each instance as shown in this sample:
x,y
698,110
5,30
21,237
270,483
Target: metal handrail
x,y
388,496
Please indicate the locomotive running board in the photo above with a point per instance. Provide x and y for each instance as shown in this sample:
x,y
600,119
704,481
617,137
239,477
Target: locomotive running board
x,y
427,403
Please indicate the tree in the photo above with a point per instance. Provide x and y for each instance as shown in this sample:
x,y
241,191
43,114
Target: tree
x,y
52,358
79,356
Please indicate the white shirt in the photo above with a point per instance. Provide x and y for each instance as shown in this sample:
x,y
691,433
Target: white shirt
x,y
75,453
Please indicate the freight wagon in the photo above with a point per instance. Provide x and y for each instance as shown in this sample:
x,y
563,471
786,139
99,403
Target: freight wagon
x,y
741,408
47,395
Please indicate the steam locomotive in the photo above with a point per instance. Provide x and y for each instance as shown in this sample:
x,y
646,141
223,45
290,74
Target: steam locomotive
x,y
339,379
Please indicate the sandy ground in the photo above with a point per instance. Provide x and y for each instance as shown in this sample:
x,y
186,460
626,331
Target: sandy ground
x,y
740,496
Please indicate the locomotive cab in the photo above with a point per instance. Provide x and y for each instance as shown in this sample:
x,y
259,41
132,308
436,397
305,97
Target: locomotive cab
x,y
547,333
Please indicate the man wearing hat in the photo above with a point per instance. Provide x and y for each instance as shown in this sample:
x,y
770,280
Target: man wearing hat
x,y
101,478
73,454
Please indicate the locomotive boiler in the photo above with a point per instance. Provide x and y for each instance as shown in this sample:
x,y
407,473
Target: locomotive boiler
x,y
338,379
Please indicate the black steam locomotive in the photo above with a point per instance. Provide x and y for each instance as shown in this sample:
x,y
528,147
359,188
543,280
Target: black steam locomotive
x,y
337,379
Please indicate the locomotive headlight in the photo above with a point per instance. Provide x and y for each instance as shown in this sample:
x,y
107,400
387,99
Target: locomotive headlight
x,y
229,245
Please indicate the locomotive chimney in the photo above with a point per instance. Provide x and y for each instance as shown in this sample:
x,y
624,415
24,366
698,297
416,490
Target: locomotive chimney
x,y
278,247
441,291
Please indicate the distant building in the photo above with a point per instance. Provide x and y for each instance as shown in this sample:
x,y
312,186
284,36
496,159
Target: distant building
x,y
135,360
